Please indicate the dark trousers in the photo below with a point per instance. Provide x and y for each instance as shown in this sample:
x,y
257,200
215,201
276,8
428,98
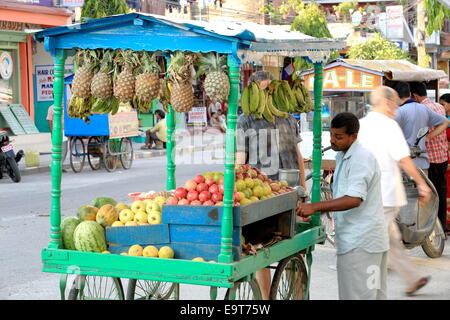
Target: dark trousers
x,y
150,138
437,173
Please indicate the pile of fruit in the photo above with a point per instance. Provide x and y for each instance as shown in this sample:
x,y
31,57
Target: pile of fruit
x,y
106,78
208,189
277,100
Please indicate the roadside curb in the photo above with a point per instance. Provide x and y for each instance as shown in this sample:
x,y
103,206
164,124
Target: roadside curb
x,y
138,155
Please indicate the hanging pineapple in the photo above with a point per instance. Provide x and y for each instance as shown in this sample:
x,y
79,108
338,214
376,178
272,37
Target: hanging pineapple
x,y
147,84
81,101
125,81
180,75
216,84
102,86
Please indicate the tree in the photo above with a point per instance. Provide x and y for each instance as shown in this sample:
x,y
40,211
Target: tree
x,y
377,48
436,14
101,8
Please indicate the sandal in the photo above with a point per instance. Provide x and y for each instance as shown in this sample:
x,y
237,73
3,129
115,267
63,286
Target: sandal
x,y
419,284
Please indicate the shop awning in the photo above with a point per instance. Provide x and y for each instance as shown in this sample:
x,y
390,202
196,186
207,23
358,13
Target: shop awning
x,y
399,70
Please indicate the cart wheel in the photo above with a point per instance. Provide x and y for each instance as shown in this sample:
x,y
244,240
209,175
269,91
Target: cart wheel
x,y
94,153
244,290
290,281
96,288
110,160
150,290
126,153
77,154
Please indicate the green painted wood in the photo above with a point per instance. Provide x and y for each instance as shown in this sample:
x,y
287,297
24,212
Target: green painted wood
x,y
11,121
230,151
170,145
24,118
56,167
317,138
13,36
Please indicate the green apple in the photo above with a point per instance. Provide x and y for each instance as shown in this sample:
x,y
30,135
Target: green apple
x,y
137,206
166,252
154,217
126,215
160,200
141,216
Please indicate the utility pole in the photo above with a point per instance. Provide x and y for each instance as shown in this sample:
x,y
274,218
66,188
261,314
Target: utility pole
x,y
423,59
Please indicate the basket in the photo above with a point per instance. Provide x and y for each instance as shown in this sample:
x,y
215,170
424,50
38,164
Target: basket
x,y
137,196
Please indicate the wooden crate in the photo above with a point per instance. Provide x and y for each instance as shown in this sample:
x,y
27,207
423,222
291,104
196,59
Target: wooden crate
x,y
195,231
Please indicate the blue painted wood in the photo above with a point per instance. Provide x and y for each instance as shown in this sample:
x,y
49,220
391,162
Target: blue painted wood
x,y
151,234
186,250
200,234
197,215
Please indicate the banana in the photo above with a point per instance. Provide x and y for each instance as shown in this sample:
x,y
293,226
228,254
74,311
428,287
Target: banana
x,y
262,103
266,113
245,101
254,98
308,101
289,96
300,100
274,111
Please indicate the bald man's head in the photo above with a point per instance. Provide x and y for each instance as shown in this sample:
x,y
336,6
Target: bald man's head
x,y
385,100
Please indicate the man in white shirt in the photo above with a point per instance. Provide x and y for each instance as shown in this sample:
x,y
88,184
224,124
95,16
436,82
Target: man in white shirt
x,y
384,138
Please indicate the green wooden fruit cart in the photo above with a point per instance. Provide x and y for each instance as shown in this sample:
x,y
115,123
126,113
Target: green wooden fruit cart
x,y
98,276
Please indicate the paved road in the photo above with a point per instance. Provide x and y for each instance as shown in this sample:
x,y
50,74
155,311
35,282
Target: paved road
x,y
24,231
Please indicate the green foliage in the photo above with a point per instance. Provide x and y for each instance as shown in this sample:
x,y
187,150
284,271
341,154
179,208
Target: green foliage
x,y
101,8
344,8
436,13
377,48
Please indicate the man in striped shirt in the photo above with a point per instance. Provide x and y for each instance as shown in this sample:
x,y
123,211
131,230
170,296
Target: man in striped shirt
x,y
436,150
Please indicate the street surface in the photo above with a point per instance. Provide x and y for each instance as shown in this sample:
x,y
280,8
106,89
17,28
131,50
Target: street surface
x,y
25,228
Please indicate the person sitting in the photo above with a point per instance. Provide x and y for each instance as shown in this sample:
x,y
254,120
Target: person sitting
x,y
216,122
222,118
157,134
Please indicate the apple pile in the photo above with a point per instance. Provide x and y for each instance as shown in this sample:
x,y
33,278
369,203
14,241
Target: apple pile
x,y
141,213
208,189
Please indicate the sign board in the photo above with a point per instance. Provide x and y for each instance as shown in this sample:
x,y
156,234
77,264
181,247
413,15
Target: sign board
x,y
394,22
24,118
72,3
197,115
44,81
342,78
6,65
11,120
356,18
123,124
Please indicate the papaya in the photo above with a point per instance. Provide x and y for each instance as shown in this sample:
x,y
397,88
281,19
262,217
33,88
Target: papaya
x,y
87,213
101,201
107,215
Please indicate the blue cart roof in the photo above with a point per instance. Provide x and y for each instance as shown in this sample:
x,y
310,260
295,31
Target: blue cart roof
x,y
139,31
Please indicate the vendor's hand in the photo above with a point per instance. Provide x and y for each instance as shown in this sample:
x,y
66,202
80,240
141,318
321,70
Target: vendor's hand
x,y
424,194
305,209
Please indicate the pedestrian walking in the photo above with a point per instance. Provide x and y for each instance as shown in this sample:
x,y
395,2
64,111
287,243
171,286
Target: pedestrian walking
x,y
437,150
392,153
361,232
268,147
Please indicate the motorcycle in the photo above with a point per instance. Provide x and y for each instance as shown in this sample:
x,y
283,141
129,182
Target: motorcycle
x,y
420,226
8,158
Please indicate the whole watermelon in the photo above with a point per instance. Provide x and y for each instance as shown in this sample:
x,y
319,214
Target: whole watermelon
x,y
89,236
101,201
68,227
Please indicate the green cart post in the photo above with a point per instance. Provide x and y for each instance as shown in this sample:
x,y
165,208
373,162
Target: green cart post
x,y
243,43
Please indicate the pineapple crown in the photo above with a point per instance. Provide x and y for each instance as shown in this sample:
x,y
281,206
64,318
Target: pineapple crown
x,y
179,69
211,62
124,59
86,57
148,63
106,64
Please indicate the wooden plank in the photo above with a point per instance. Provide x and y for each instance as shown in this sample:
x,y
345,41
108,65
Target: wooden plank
x,y
24,118
200,234
185,250
11,120
151,234
197,215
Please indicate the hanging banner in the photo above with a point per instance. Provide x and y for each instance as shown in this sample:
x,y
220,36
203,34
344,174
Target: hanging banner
x,y
197,115
394,24
44,81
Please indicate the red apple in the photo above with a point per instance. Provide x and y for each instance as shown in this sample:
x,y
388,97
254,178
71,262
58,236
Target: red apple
x,y
199,178
204,196
190,185
237,196
172,200
221,189
192,195
180,193
210,181
220,203
221,180
201,187
216,197
214,188
208,203
196,203
184,202
237,204
239,176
